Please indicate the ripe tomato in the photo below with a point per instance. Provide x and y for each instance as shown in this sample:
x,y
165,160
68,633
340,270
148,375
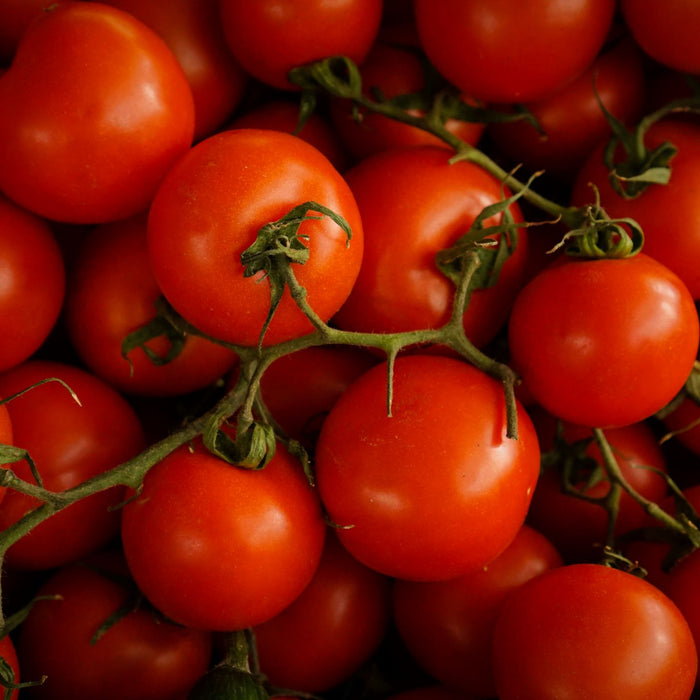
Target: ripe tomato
x,y
588,631
681,586
208,211
192,30
219,547
80,143
668,37
579,528
668,214
571,118
8,653
33,283
140,657
447,625
330,630
69,443
414,203
510,50
436,489
301,31
112,293
583,332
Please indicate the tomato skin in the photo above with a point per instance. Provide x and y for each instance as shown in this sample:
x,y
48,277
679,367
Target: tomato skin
x,y
330,630
509,50
140,657
33,283
681,586
251,539
436,489
447,625
208,211
301,31
69,443
580,340
590,631
668,38
80,143
112,293
668,214
414,203
192,31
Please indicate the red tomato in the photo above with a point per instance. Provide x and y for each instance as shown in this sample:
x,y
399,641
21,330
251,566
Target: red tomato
x,y
414,203
571,118
219,547
588,631
668,214
208,211
69,443
512,50
394,66
80,143
579,528
283,115
140,657
330,630
8,653
436,489
447,625
112,293
192,30
301,31
15,18
33,283
669,36
584,332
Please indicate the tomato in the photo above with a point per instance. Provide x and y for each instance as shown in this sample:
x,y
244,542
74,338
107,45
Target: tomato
x,y
219,547
571,118
8,653
668,37
447,625
414,203
435,489
283,115
301,31
684,423
510,50
668,214
192,31
330,630
69,444
590,631
15,18
139,657
579,528
208,211
394,66
583,332
33,283
112,293
80,143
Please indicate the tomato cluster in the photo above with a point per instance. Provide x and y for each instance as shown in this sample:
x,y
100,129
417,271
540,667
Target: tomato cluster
x,y
349,349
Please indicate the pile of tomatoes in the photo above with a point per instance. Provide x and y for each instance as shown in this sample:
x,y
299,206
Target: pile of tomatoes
x,y
349,349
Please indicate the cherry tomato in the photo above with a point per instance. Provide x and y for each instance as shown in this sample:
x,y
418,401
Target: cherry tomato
x,y
69,443
112,293
80,143
414,203
192,30
330,630
510,50
33,283
139,657
435,489
583,332
270,39
208,211
591,631
219,547
447,625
